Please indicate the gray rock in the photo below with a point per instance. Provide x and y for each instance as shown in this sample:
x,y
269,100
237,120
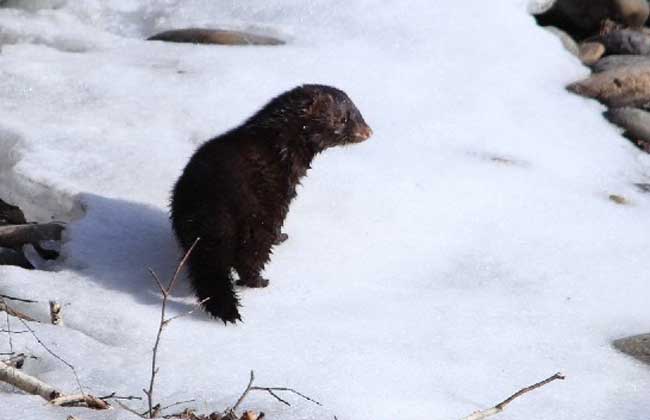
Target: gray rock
x,y
590,52
624,86
214,36
583,18
636,123
637,346
633,120
612,62
14,257
566,39
626,41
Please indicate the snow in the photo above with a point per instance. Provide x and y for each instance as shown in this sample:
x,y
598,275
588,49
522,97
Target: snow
x,y
424,277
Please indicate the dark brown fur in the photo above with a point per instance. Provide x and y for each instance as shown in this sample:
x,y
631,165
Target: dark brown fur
x,y
235,192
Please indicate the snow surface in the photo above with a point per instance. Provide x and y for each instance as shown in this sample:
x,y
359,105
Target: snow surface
x,y
424,276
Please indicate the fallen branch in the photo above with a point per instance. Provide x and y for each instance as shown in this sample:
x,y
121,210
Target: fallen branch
x,y
502,405
77,399
27,383
14,312
18,235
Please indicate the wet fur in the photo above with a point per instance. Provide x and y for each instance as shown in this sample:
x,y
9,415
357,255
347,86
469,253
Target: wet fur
x,y
236,189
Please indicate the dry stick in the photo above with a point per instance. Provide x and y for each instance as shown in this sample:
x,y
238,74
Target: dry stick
x,y
89,400
502,405
18,299
163,321
232,412
55,313
11,342
27,383
13,312
114,396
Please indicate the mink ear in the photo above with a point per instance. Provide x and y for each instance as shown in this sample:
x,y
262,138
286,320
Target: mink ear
x,y
320,105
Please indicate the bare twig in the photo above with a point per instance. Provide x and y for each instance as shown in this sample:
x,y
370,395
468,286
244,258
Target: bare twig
x,y
502,405
56,356
129,409
8,331
277,389
114,396
232,412
18,299
190,312
163,321
175,404
56,315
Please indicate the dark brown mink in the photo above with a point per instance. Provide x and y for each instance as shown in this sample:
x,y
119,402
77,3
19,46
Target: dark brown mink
x,y
234,193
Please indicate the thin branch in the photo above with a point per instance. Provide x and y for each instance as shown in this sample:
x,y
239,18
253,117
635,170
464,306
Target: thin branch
x,y
190,312
8,331
129,409
175,404
293,391
18,235
244,394
18,299
114,396
232,412
13,312
180,266
479,415
74,371
163,321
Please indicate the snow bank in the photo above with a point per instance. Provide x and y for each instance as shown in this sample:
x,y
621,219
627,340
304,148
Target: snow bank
x,y
467,249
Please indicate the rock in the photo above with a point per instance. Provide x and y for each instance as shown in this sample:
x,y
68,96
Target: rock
x,y
14,257
636,123
214,36
618,199
568,42
582,18
637,346
632,12
626,86
626,41
590,52
10,214
611,62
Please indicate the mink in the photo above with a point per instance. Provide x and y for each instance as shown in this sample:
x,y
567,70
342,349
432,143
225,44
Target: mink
x,y
234,193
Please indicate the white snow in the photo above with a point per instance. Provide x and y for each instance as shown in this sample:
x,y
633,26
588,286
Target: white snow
x,y
422,277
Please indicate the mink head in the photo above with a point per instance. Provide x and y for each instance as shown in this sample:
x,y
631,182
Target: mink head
x,y
322,116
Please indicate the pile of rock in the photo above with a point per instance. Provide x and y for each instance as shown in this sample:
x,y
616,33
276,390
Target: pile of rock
x,y
610,37
16,233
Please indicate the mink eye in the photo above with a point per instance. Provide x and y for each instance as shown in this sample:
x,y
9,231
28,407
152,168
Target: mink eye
x,y
345,117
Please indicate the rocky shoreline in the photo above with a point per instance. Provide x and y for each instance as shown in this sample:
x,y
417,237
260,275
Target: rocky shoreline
x,y
612,38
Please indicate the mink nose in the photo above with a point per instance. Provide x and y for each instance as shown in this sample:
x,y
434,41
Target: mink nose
x,y
363,133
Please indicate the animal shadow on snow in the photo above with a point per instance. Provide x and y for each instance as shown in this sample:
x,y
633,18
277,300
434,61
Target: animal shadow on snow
x,y
117,241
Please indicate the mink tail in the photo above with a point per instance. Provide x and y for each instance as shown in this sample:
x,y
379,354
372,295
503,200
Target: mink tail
x,y
210,277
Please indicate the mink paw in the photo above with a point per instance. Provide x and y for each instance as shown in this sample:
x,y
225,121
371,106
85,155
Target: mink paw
x,y
227,313
257,282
